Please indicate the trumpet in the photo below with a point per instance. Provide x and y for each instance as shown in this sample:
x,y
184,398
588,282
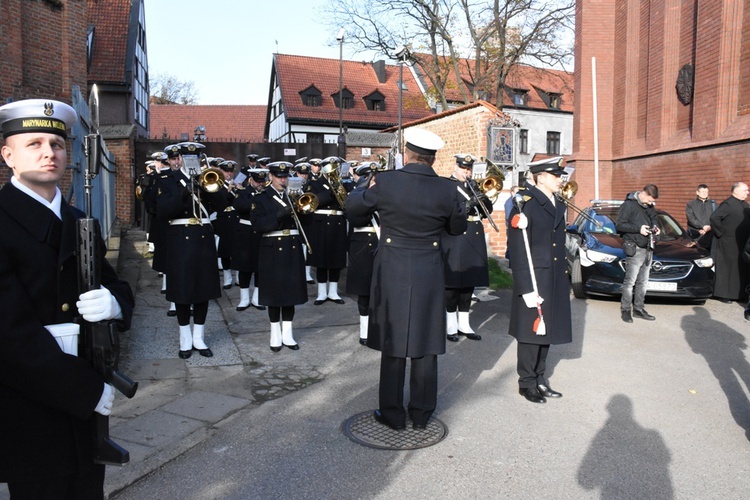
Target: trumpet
x,y
568,191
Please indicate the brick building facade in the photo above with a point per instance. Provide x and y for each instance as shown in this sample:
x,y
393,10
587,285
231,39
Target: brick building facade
x,y
648,131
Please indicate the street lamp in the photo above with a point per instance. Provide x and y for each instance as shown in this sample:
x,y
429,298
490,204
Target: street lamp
x,y
402,55
340,39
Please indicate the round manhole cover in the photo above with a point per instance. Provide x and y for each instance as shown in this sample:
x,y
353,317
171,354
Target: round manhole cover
x,y
365,430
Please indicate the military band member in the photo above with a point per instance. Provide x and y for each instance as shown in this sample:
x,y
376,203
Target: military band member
x,y
363,243
314,168
192,265
247,239
281,265
225,223
46,395
302,170
406,320
465,254
328,235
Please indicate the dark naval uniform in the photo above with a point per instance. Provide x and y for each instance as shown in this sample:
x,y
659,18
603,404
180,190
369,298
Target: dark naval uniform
x,y
246,244
46,396
158,226
407,312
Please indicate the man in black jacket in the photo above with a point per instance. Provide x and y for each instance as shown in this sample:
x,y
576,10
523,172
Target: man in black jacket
x,y
637,223
698,214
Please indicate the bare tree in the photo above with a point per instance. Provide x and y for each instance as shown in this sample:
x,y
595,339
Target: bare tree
x,y
167,89
494,35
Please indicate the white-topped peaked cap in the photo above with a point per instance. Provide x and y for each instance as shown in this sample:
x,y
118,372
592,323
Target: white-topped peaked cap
x,y
422,141
37,115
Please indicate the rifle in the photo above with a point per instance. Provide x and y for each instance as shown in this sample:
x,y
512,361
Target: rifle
x,y
100,341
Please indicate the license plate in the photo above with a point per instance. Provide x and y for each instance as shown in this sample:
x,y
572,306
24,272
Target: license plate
x,y
662,286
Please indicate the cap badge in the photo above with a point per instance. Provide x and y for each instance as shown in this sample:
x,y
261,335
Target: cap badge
x,y
191,147
468,158
48,111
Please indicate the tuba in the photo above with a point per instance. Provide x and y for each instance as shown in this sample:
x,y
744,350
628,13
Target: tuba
x,y
331,173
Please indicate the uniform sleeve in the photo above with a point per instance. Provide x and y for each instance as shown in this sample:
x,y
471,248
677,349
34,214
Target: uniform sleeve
x,y
456,223
520,261
362,201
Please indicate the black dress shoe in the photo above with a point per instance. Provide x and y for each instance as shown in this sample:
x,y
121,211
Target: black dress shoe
x,y
293,347
171,313
532,394
185,354
418,427
310,282
227,287
163,292
452,337
242,308
363,341
641,313
275,349
471,336
206,353
379,418
547,392
337,301
626,316
259,307
318,301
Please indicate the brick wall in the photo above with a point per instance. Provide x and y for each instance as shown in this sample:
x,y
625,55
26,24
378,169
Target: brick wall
x,y
124,151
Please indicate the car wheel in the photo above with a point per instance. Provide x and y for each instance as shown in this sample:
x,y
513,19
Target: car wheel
x,y
576,280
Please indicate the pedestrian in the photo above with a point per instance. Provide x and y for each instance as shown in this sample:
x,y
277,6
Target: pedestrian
x,y
540,308
407,310
731,227
466,264
698,213
637,224
47,396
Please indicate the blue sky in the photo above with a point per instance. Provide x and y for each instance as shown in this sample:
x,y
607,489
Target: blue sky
x,y
226,46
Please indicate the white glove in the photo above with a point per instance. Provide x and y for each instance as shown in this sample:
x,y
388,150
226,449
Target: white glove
x,y
105,402
98,305
519,221
532,299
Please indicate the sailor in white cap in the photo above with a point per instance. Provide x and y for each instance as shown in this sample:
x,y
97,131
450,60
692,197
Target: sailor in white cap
x,y
405,321
47,395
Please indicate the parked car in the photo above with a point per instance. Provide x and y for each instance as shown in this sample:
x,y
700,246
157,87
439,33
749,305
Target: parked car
x,y
597,262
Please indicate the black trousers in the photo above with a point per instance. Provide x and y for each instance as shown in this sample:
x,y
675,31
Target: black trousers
x,y
532,363
89,486
422,389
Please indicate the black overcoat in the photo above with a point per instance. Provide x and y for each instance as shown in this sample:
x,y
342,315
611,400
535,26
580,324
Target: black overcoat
x,y
281,262
158,227
191,265
730,224
46,396
466,253
327,233
361,254
546,234
246,239
225,225
407,304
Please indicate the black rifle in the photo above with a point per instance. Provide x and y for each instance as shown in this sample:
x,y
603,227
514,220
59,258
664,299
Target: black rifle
x,y
100,341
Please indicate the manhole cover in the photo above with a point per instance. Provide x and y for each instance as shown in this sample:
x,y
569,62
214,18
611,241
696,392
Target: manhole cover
x,y
365,430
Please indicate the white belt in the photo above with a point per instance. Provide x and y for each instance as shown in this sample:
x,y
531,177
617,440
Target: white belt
x,y
473,218
329,212
283,232
365,229
189,222
246,222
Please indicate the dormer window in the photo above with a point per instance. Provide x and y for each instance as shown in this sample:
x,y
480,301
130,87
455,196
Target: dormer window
x,y
347,100
554,101
520,97
375,101
311,96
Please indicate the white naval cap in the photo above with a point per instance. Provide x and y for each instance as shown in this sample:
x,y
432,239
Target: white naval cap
x,y
422,141
37,115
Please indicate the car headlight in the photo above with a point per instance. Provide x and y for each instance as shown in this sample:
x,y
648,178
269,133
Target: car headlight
x,y
704,262
600,256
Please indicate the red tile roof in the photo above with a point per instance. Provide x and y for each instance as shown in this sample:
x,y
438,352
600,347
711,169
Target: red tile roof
x,y
536,81
111,20
223,123
297,73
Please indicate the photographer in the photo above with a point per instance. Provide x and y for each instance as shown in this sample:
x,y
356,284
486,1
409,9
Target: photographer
x,y
636,223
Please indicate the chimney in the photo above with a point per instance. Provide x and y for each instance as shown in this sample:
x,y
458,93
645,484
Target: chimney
x,y
379,67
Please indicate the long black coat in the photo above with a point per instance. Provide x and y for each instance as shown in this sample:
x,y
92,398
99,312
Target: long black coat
x,y
157,229
191,266
281,263
46,396
225,225
361,255
407,305
327,233
246,240
546,234
466,253
730,224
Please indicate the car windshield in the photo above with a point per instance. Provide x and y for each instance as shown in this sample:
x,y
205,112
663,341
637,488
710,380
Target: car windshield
x,y
603,221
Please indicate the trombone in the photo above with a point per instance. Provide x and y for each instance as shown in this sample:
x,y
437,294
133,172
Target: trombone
x,y
568,191
490,185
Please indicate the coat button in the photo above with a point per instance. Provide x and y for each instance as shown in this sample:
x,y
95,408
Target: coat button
x,y
65,307
388,240
434,243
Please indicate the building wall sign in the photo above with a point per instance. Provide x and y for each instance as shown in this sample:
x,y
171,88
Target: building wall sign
x,y
501,145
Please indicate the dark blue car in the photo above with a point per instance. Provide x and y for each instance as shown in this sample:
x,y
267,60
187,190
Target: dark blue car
x,y
597,262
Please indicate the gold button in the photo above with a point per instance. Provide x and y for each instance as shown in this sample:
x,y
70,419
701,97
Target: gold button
x,y
388,240
554,244
434,243
555,258
280,249
65,307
